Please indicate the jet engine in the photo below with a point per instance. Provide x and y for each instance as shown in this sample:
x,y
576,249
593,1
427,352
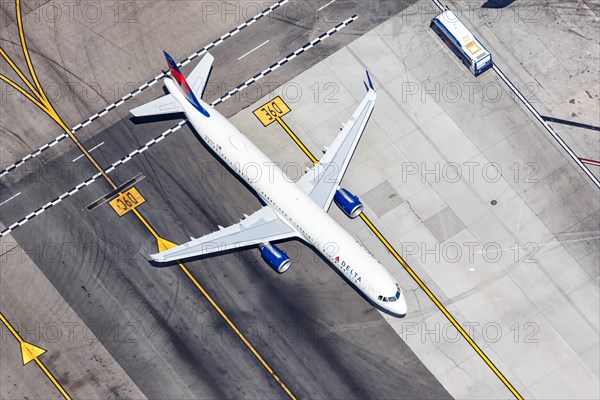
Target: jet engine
x,y
348,203
275,257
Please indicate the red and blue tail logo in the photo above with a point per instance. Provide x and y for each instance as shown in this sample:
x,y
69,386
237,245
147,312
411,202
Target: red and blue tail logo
x,y
187,91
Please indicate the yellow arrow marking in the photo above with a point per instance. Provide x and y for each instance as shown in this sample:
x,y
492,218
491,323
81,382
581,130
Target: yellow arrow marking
x,y
30,352
163,244
415,277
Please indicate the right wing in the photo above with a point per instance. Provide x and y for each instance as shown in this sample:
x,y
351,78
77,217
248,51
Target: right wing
x,y
322,180
167,104
262,226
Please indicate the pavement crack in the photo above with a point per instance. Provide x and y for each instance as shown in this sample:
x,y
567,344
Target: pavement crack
x,y
414,212
452,360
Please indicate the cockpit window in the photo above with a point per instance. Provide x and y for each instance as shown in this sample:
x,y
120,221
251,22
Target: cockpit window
x,y
393,298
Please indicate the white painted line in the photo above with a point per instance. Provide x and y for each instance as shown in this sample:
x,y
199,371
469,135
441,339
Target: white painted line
x,y
145,86
7,200
552,132
89,151
181,123
256,48
537,115
326,5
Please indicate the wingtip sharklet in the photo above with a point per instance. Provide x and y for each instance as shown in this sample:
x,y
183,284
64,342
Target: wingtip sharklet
x,y
369,79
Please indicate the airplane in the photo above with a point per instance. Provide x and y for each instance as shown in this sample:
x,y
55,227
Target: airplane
x,y
291,210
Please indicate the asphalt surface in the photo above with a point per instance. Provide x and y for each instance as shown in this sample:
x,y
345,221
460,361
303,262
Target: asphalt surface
x,y
317,333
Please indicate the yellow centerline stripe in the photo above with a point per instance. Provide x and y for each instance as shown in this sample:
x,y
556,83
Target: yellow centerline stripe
x,y
415,277
54,115
52,379
295,139
221,312
49,109
10,328
26,53
237,331
37,360
147,225
440,306
23,92
19,73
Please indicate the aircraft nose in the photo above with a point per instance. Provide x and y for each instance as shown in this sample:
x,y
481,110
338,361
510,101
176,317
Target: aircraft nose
x,y
403,307
399,307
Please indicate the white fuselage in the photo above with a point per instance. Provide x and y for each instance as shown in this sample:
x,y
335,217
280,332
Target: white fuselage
x,y
290,202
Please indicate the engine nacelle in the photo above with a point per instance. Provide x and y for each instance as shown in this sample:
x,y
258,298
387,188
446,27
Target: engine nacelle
x,y
275,257
348,203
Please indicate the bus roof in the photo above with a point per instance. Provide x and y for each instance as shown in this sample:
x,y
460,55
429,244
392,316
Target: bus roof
x,y
463,35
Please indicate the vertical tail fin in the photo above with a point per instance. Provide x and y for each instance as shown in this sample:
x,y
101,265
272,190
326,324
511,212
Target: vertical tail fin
x,y
185,88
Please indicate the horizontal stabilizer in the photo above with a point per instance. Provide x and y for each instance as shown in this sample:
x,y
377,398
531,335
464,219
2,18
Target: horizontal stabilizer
x,y
163,105
199,76
193,87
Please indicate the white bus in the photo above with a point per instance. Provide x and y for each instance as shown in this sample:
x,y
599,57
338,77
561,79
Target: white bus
x,y
462,42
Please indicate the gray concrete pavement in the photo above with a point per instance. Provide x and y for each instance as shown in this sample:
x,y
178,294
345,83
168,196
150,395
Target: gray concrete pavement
x,y
319,335
74,355
550,50
316,350
513,256
492,215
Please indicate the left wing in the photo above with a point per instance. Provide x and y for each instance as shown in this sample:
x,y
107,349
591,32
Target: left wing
x,y
262,226
322,181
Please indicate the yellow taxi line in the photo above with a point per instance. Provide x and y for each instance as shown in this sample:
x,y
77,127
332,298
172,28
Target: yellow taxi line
x,y
60,122
415,277
37,360
162,243
26,53
237,332
22,91
18,72
296,140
